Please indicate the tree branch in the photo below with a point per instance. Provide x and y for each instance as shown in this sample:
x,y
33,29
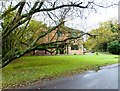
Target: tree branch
x,y
65,40
43,35
9,10
61,6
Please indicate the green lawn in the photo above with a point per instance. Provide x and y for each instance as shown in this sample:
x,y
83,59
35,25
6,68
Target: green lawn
x,y
32,68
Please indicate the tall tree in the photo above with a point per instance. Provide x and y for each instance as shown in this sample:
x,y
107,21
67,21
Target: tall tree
x,y
107,32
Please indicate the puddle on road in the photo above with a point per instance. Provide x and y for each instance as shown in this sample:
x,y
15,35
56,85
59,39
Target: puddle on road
x,y
110,66
90,73
86,75
102,69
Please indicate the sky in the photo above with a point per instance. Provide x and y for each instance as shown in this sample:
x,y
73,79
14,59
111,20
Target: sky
x,y
94,19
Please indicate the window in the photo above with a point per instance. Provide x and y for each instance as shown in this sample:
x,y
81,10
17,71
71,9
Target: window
x,y
74,47
73,34
59,33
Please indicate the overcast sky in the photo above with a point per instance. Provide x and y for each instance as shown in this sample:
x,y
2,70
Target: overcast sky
x,y
94,19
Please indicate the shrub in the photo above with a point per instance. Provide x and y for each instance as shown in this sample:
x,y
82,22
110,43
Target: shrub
x,y
96,53
114,47
75,54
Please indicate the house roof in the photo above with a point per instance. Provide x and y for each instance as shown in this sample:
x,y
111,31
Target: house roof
x,y
66,29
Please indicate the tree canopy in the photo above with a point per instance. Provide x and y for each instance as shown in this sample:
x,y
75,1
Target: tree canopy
x,y
107,32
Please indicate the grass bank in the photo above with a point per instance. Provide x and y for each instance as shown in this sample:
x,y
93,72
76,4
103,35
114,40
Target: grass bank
x,y
32,68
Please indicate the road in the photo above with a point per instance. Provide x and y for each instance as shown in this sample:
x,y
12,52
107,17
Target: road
x,y
106,78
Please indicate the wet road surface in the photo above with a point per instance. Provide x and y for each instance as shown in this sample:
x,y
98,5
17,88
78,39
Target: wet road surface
x,y
106,78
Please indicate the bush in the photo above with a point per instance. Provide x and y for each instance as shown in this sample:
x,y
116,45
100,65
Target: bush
x,y
75,54
96,53
114,47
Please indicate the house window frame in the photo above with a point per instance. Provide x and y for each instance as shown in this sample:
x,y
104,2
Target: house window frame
x,y
73,34
59,33
74,47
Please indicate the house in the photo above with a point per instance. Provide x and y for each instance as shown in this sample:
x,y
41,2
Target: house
x,y
73,46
